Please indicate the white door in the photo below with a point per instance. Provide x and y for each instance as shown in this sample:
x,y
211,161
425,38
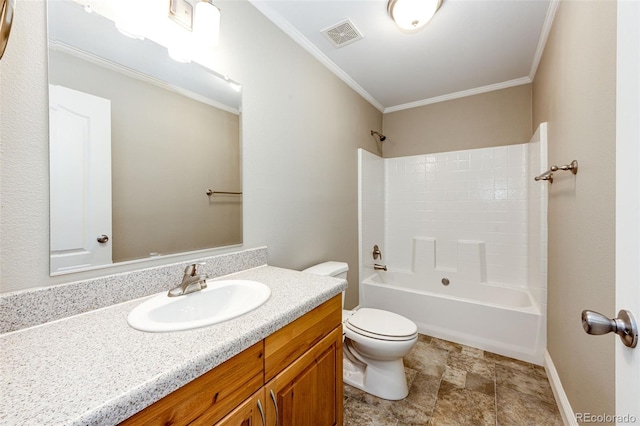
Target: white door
x,y
628,204
80,175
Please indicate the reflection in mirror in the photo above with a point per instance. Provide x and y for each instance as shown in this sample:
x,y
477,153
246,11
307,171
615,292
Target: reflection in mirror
x,y
136,142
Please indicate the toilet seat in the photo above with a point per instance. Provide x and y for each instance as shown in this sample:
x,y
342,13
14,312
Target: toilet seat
x,y
381,325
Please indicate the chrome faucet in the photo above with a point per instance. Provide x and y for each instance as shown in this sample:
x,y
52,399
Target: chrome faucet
x,y
377,267
191,281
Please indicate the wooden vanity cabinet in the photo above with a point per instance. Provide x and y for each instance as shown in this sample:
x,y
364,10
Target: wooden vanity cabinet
x,y
309,391
291,378
210,396
303,369
249,413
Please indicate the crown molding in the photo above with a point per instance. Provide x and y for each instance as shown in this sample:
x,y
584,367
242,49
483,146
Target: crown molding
x,y
462,94
131,73
289,30
544,35
292,32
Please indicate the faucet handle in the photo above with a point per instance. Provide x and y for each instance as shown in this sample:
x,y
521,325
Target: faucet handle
x,y
376,252
192,269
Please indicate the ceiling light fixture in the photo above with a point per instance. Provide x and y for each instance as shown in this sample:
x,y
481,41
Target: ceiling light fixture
x,y
131,20
412,15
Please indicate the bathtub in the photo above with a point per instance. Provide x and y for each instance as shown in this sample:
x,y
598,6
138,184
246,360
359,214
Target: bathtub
x,y
495,318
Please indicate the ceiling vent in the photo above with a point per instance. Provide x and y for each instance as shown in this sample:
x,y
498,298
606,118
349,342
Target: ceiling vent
x,y
342,33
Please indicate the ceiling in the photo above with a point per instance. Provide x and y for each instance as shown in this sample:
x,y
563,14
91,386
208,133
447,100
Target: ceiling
x,y
469,47
94,38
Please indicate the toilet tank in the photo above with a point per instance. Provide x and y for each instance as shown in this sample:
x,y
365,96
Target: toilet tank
x,y
331,269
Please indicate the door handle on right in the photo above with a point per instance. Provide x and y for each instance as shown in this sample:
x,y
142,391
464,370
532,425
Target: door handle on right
x,y
624,326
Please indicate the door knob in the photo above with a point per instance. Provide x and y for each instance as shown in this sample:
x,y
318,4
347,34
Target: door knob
x,y
624,326
103,239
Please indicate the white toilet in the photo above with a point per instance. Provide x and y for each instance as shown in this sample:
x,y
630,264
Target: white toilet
x,y
375,342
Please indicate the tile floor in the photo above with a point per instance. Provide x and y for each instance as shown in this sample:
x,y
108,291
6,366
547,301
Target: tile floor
x,y
452,384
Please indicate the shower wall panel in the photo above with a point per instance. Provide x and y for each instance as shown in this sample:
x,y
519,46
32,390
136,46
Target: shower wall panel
x,y
371,201
478,195
537,214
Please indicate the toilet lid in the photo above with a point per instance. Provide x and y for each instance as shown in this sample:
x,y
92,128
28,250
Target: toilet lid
x,y
381,324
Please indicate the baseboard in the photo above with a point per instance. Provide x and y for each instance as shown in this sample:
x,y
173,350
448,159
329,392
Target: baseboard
x,y
566,412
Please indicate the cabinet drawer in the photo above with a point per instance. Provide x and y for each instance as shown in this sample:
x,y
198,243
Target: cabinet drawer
x,y
215,393
291,341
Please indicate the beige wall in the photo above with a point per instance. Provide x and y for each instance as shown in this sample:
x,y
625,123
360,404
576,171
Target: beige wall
x,y
574,91
501,117
166,151
301,128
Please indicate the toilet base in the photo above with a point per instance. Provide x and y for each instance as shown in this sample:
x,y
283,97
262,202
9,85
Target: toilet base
x,y
384,379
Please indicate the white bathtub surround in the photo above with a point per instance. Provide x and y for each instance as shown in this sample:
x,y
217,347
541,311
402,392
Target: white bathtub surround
x,y
537,219
370,210
476,218
31,307
471,264
474,195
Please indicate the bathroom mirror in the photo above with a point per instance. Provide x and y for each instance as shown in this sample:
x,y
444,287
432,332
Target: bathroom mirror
x,y
144,150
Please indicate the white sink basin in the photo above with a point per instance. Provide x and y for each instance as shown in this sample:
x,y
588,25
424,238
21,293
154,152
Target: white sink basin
x,y
220,301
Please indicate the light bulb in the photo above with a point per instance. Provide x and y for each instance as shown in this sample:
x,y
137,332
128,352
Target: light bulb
x,y
206,23
411,15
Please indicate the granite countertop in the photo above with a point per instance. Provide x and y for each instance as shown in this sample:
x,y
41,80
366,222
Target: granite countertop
x,y
93,369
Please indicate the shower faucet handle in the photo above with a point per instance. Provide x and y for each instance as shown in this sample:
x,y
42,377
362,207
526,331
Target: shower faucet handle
x,y
376,252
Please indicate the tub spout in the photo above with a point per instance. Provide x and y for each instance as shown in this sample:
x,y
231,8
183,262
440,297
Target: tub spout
x,y
379,267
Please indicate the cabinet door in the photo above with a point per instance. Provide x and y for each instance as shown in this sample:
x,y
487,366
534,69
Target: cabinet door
x,y
249,413
309,391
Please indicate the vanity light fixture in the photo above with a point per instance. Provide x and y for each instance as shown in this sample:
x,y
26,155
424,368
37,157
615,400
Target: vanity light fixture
x,y
412,15
130,20
130,29
179,49
200,17
235,86
206,22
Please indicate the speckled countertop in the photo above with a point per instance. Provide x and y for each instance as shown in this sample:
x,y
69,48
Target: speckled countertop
x,y
93,369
